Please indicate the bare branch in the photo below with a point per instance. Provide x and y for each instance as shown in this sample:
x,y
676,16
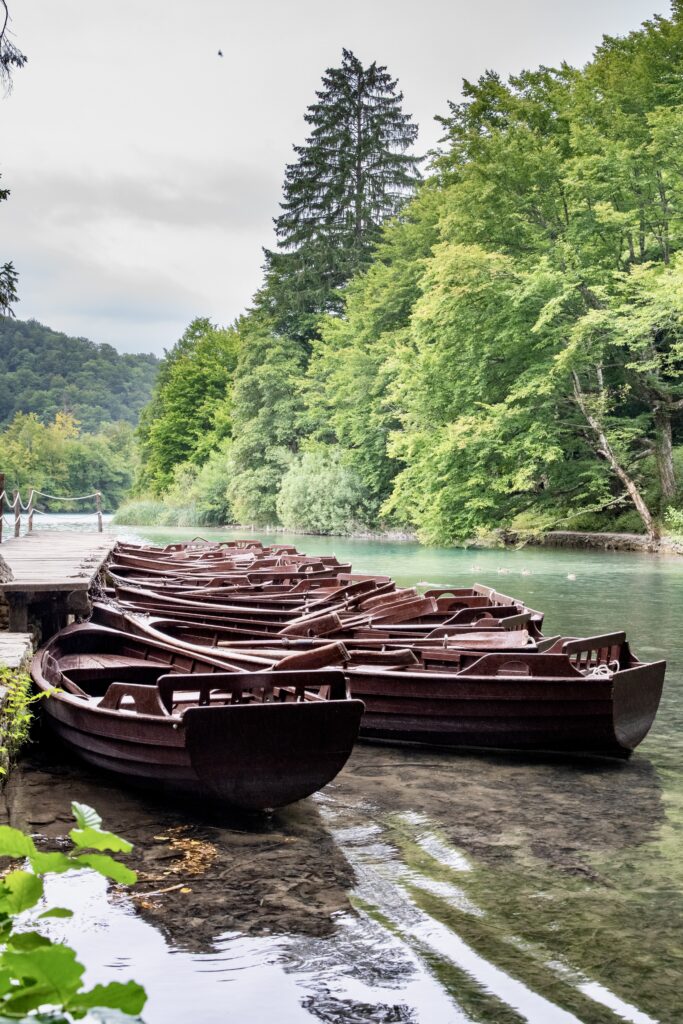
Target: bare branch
x,y
11,57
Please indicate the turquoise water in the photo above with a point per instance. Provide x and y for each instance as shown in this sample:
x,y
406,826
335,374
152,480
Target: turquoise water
x,y
419,887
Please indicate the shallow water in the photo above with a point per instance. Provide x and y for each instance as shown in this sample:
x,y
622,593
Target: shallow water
x,y
418,887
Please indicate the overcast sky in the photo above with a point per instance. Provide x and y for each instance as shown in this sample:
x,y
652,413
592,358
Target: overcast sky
x,y
145,169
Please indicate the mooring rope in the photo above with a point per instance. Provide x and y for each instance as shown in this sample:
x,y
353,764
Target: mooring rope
x,y
57,497
16,506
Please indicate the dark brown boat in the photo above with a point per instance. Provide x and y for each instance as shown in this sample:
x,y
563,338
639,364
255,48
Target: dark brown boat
x,y
191,725
452,667
583,696
499,690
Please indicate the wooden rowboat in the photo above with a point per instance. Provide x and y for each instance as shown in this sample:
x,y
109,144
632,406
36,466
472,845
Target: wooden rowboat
x,y
191,725
481,689
583,696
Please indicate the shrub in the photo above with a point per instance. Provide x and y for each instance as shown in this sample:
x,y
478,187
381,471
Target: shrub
x,y
16,718
144,512
321,494
674,519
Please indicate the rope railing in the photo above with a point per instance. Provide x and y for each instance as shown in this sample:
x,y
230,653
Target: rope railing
x,y
17,506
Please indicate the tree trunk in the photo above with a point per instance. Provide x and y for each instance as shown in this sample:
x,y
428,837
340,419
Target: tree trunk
x,y
665,454
605,449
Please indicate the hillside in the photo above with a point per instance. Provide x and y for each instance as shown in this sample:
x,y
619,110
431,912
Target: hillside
x,y
45,372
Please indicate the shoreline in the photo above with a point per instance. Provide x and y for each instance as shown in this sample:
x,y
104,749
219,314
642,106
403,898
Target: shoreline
x,y
601,542
575,539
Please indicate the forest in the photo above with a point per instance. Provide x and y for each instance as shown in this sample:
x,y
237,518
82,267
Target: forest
x,y
45,372
68,410
490,339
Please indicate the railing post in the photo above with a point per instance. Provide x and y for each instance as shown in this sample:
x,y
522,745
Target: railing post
x,y
16,503
98,506
30,511
2,503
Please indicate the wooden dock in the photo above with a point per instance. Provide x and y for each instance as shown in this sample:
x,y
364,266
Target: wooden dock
x,y
51,572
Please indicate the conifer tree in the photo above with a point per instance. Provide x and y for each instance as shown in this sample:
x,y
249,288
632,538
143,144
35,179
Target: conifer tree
x,y
353,172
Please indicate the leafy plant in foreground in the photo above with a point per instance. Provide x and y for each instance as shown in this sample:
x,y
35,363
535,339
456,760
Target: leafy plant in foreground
x,y
16,721
41,980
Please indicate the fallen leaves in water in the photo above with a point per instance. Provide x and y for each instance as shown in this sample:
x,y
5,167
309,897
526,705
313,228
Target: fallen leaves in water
x,y
195,855
187,857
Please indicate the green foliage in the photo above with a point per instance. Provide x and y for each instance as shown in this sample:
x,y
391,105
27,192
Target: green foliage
x,y
508,349
58,459
674,520
348,386
16,716
267,406
353,173
140,512
321,494
46,373
190,411
198,495
39,978
542,373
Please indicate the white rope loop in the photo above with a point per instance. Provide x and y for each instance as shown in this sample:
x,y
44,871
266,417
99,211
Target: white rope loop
x,y
16,506
57,497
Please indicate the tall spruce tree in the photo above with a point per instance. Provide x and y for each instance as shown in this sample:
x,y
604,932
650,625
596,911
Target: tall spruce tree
x,y
353,172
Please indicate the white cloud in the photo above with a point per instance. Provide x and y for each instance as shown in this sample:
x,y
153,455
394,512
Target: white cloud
x,y
145,169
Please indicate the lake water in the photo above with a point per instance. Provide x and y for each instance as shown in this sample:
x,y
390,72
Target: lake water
x,y
419,887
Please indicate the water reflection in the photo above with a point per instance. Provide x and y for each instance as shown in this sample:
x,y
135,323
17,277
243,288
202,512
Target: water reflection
x,y
515,882
501,808
415,888
200,876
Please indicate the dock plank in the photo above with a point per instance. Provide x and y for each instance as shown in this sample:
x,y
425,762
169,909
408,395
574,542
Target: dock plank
x,y
46,561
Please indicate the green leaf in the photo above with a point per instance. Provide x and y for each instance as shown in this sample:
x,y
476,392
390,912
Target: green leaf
x,y
20,890
26,941
14,843
52,972
129,998
94,839
107,866
57,912
86,816
56,862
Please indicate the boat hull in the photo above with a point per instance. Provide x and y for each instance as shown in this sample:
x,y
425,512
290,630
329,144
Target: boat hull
x,y
190,725
604,717
249,758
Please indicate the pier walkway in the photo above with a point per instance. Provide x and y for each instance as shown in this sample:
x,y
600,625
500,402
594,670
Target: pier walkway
x,y
50,573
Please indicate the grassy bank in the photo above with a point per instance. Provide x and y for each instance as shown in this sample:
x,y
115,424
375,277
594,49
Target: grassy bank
x,y
148,512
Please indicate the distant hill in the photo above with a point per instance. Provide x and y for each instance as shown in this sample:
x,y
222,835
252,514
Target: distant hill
x,y
44,372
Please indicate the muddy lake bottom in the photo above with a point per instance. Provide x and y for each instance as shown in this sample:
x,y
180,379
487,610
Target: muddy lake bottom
x,y
421,886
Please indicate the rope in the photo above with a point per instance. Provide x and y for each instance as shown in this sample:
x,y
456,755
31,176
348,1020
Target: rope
x,y
57,497
599,672
16,506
